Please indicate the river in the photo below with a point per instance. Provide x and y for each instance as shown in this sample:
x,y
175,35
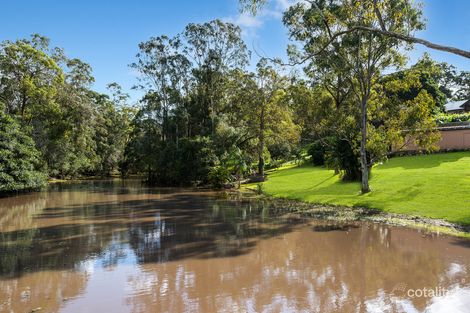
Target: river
x,y
118,246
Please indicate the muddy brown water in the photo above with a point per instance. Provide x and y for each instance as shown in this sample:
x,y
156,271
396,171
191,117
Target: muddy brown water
x,y
116,246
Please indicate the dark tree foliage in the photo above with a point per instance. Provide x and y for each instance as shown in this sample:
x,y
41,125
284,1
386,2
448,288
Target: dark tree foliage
x,y
339,154
317,151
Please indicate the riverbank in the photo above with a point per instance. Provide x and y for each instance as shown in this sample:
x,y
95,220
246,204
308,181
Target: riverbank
x,y
343,214
428,191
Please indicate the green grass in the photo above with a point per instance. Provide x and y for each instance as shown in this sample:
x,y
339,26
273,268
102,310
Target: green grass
x,y
434,186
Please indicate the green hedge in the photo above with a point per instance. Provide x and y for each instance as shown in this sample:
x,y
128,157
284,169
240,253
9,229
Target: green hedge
x,y
443,118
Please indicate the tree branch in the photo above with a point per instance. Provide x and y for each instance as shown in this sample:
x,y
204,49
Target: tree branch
x,y
410,39
379,16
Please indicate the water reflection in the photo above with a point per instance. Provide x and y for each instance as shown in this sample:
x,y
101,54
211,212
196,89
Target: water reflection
x,y
120,247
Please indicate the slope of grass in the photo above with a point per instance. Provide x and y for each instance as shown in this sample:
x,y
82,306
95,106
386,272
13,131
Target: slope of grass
x,y
435,186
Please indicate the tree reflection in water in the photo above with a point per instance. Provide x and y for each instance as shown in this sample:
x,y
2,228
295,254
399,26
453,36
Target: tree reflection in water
x,y
122,247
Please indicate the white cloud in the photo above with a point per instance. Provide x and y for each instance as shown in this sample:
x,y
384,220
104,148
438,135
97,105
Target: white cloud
x,y
245,20
283,5
249,23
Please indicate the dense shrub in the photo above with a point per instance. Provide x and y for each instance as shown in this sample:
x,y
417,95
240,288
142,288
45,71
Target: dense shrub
x,y
219,176
342,157
317,153
188,163
336,154
273,164
196,157
21,167
280,151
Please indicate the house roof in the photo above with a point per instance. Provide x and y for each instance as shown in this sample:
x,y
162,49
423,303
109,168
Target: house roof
x,y
456,105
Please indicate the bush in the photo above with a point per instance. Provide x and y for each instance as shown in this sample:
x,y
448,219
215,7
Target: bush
x,y
341,156
336,154
219,176
273,164
317,153
21,167
189,163
280,151
196,159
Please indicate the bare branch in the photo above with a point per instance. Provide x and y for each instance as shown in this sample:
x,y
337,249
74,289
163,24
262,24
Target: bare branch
x,y
410,39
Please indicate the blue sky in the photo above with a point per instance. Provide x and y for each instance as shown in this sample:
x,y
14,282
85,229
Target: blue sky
x,y
106,33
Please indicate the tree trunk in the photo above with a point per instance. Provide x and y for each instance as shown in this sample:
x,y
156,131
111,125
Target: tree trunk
x,y
212,114
164,120
177,136
261,143
23,102
364,168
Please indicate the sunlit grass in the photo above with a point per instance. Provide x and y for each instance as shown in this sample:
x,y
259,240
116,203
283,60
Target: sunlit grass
x,y
435,186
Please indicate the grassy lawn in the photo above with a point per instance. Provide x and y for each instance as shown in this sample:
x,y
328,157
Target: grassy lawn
x,y
435,186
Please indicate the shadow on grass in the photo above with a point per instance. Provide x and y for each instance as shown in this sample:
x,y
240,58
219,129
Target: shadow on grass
x,y
402,195
423,161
